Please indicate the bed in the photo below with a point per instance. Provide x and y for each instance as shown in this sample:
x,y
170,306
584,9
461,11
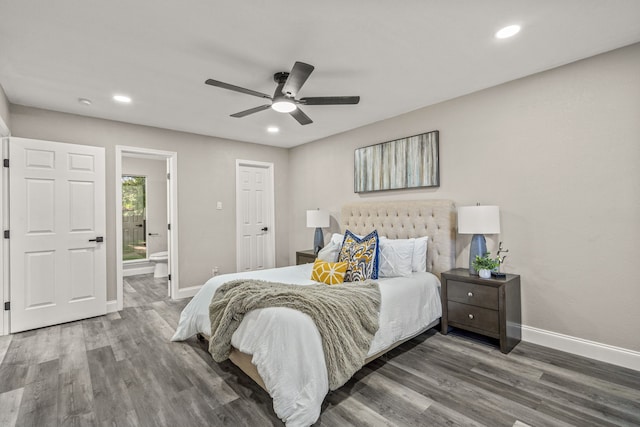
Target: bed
x,y
281,349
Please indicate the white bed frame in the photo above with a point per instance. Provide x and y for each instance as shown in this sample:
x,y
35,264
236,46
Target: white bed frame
x,y
395,220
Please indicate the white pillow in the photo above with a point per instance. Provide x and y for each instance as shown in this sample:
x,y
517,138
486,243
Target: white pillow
x,y
396,257
337,238
330,252
419,262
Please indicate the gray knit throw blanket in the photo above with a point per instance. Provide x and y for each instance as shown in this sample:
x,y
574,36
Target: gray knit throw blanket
x,y
346,317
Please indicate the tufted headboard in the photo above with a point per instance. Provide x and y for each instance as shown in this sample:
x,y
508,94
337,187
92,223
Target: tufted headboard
x,y
406,219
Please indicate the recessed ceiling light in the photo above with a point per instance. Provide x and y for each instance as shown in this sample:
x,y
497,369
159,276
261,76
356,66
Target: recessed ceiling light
x,y
508,31
122,98
273,129
84,101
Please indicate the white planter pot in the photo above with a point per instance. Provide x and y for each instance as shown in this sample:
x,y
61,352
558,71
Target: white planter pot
x,y
485,274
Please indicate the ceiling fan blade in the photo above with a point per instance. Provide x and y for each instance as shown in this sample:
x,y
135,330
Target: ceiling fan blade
x,y
298,75
236,88
330,100
251,111
301,117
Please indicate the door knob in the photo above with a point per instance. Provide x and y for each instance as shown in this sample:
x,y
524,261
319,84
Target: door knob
x,y
264,228
98,239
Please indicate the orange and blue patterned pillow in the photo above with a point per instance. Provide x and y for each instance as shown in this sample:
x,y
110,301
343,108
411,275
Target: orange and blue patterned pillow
x,y
361,255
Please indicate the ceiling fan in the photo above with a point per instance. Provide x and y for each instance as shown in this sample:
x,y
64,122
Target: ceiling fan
x,y
284,98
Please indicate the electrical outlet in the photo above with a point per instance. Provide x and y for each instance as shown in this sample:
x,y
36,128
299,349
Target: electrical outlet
x,y
214,271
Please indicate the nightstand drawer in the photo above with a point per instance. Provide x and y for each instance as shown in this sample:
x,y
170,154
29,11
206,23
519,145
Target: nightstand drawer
x,y
470,293
476,317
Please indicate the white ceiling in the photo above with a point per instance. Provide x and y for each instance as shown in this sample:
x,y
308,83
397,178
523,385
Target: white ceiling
x,y
398,56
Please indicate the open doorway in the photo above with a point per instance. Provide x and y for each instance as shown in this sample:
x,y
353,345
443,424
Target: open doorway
x,y
145,236
146,220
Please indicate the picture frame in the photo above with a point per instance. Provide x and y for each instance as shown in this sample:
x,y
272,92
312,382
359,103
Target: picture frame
x,y
410,162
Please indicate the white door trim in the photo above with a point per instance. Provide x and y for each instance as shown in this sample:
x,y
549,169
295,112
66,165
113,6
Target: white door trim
x,y
4,221
270,209
172,214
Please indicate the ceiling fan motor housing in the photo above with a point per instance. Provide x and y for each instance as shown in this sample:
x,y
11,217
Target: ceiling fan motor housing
x,y
281,77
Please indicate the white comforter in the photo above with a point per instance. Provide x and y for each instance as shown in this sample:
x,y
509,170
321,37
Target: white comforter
x,y
286,346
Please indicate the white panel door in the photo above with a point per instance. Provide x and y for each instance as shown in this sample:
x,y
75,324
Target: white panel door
x,y
256,248
57,219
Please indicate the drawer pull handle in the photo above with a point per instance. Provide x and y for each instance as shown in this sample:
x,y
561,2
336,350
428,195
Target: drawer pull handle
x,y
471,316
470,294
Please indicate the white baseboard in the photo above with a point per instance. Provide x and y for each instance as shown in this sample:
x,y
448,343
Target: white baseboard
x,y
188,292
112,306
591,349
140,270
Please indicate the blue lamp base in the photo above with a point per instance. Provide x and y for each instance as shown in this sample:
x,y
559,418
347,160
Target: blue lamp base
x,y
318,241
478,247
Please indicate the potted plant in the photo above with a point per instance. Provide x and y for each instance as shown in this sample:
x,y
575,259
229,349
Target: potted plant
x,y
484,264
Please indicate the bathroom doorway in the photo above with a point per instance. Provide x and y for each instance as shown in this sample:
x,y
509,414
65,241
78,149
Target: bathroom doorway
x,y
144,216
146,219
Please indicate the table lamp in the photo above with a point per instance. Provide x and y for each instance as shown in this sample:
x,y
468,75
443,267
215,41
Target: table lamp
x,y
478,220
317,219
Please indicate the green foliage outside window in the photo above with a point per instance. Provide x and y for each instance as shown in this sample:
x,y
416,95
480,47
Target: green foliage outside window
x,y
133,212
133,195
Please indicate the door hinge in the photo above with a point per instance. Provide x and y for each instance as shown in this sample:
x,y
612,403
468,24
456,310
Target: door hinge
x,y
168,176
169,276
7,306
168,226
6,163
6,234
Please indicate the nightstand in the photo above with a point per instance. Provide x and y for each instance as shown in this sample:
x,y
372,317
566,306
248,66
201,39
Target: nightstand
x,y
490,307
305,257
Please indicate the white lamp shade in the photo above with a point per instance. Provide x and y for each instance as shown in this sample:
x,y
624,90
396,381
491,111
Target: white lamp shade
x,y
478,220
317,218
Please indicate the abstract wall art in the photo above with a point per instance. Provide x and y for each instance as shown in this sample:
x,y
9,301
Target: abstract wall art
x,y
410,162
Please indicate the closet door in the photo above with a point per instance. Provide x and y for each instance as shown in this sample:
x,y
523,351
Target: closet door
x,y
57,226
255,248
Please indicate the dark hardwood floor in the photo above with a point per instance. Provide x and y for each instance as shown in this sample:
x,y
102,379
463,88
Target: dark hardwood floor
x,y
122,370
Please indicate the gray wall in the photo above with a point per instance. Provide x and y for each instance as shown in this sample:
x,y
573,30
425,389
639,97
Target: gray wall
x,y
559,152
155,172
206,174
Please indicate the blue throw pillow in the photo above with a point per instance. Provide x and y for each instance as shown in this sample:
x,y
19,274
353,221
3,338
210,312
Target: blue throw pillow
x,y
361,254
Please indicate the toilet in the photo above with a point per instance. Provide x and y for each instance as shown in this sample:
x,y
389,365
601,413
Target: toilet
x,y
160,259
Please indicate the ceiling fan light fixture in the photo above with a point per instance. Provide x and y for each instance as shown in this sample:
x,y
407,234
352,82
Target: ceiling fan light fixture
x,y
283,106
